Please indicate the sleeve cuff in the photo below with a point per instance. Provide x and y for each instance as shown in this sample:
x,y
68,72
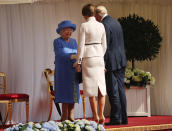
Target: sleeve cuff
x,y
80,61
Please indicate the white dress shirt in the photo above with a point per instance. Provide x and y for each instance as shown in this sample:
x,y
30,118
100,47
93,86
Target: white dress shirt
x,y
104,16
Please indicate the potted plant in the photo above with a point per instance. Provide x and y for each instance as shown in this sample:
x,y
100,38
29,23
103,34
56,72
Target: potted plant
x,y
141,38
138,77
142,41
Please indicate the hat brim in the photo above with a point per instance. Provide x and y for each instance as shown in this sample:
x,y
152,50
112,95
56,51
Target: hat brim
x,y
73,26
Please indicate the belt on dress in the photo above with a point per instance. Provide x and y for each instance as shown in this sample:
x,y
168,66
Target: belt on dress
x,y
92,43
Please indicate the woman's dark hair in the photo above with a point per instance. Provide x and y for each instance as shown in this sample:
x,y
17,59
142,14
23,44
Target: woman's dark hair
x,y
88,10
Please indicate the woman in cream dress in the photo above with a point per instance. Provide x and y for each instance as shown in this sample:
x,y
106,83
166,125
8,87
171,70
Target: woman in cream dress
x,y
90,55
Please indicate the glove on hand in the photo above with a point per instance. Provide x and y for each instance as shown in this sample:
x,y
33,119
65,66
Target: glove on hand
x,y
73,57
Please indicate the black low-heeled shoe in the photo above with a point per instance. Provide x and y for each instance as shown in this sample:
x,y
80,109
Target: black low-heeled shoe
x,y
61,120
72,120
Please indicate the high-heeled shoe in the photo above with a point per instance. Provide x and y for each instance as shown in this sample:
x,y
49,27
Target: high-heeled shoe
x,y
96,119
102,121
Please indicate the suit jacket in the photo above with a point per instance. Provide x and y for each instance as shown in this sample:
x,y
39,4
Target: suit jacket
x,y
91,32
115,57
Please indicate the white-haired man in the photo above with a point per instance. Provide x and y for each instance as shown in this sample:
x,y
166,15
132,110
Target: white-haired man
x,y
115,63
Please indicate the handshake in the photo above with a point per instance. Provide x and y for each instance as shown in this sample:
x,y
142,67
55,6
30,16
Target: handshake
x,y
73,56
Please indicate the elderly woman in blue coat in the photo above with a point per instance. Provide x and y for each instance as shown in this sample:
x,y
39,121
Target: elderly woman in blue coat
x,y
66,86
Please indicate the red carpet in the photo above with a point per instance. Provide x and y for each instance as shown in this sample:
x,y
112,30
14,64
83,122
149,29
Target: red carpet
x,y
140,124
144,121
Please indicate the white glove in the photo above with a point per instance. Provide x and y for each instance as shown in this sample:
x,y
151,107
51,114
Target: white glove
x,y
74,65
73,57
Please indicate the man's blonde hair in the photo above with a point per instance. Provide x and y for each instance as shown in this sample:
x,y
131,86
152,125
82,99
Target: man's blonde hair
x,y
101,10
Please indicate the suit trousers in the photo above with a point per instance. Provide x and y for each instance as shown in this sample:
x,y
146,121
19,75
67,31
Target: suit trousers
x,y
117,98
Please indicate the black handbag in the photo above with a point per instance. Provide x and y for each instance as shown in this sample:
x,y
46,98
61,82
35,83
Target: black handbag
x,y
79,76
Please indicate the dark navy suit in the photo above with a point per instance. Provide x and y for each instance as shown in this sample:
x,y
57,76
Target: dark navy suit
x,y
115,62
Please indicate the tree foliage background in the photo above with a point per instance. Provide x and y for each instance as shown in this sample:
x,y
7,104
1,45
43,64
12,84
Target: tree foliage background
x,y
141,38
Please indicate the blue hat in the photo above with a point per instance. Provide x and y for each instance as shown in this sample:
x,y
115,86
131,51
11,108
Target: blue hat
x,y
65,24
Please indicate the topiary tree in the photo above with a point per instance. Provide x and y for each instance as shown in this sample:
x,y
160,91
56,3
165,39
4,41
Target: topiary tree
x,y
141,38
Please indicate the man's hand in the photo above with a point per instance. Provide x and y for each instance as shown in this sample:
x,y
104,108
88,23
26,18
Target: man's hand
x,y
105,70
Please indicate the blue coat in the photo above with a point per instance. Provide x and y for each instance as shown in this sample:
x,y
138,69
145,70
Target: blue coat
x,y
66,85
115,57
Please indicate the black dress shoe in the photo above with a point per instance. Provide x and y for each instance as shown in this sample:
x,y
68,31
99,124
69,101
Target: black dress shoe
x,y
112,123
124,123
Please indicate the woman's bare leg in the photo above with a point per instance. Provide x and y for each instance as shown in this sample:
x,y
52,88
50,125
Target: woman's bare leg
x,y
93,103
64,112
101,103
71,112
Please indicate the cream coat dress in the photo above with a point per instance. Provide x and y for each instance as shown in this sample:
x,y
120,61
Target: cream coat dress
x,y
90,53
